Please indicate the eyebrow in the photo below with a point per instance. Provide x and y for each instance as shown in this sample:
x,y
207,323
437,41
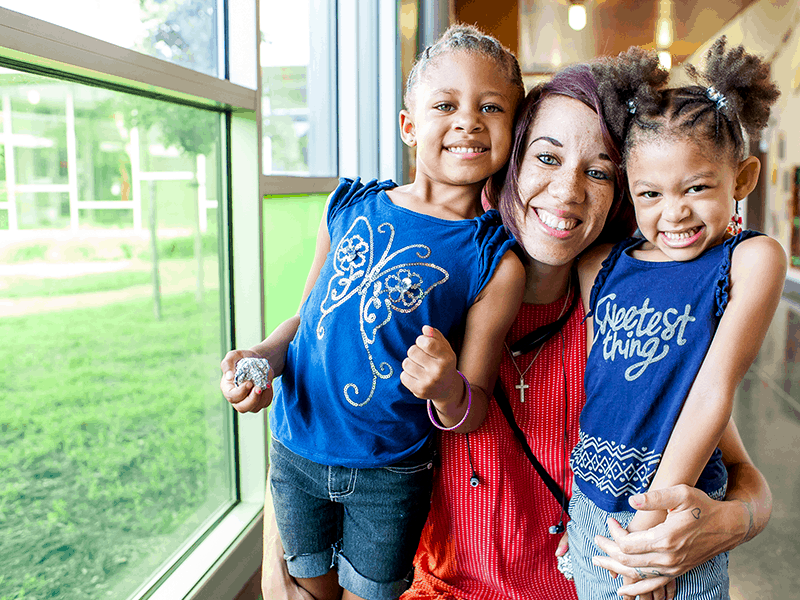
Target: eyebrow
x,y
546,138
558,144
453,91
687,181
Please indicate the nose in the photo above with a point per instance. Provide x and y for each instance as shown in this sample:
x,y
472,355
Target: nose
x,y
566,186
469,120
676,210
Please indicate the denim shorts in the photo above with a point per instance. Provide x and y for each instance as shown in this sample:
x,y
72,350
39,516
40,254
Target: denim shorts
x,y
366,523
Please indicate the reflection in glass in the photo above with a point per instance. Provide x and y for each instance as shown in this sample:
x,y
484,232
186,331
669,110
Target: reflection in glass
x,y
114,439
183,32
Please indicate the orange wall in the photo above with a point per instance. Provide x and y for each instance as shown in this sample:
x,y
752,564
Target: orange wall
x,y
496,17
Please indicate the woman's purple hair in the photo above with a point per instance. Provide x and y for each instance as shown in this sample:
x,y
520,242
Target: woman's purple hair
x,y
578,82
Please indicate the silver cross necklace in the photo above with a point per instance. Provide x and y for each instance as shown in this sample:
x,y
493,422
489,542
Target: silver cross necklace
x,y
522,386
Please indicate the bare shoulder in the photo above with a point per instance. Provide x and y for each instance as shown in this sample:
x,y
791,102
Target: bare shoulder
x,y
509,276
759,256
758,269
590,262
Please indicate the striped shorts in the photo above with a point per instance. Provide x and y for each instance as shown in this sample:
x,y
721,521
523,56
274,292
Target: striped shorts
x,y
708,581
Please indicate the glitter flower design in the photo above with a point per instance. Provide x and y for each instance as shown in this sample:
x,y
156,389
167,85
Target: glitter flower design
x,y
396,281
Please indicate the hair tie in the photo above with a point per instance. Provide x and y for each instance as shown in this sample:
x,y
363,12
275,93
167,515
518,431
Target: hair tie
x,y
718,98
631,106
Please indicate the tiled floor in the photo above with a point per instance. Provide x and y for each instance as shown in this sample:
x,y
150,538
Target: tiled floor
x,y
767,412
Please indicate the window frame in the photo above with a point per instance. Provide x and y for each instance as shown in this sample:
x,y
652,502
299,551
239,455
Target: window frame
x,y
219,561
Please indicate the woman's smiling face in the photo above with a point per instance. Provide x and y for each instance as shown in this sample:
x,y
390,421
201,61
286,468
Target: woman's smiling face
x,y
566,182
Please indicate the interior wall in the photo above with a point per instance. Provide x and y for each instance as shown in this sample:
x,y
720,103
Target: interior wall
x,y
499,18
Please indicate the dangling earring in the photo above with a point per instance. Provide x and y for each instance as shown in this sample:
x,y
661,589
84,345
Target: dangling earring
x,y
735,226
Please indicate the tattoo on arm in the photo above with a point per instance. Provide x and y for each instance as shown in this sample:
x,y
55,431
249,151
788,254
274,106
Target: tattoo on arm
x,y
696,513
750,533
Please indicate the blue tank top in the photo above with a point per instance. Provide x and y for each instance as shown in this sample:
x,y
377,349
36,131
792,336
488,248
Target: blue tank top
x,y
653,324
389,272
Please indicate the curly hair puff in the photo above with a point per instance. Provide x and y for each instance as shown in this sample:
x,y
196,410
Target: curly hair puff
x,y
734,93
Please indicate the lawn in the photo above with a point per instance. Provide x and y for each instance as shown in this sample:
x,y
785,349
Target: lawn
x,y
112,442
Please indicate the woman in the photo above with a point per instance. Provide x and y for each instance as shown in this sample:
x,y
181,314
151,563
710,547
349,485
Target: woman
x,y
562,193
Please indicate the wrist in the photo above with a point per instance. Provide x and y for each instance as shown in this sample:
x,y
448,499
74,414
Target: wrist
x,y
448,410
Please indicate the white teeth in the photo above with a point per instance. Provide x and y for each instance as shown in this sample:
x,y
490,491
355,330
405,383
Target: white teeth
x,y
556,223
680,236
461,150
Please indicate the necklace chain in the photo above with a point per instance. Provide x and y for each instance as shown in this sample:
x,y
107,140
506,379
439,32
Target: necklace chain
x,y
522,386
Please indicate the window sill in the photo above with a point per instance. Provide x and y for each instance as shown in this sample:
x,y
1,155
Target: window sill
x,y
209,574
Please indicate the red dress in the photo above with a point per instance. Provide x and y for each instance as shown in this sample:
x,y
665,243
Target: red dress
x,y
491,542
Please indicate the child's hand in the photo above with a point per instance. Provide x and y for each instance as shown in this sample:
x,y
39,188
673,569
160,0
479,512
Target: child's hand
x,y
429,370
246,397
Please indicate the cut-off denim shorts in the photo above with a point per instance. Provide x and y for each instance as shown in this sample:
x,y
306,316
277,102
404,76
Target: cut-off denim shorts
x,y
707,581
366,523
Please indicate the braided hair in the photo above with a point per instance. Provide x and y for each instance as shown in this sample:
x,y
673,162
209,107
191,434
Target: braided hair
x,y
732,96
467,38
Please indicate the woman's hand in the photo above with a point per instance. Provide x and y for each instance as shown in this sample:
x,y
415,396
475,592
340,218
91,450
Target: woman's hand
x,y
696,529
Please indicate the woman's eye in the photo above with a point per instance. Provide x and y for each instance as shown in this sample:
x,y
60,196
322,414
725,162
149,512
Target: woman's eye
x,y
547,159
598,174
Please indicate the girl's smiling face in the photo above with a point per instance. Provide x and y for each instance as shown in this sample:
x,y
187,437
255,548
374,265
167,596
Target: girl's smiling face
x,y
461,119
683,194
566,182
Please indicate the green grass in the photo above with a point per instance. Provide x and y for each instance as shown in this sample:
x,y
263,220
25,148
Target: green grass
x,y
28,287
111,435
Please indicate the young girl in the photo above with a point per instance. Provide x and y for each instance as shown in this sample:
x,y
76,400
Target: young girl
x,y
401,276
678,316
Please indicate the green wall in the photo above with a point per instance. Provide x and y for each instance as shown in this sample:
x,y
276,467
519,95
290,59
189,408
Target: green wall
x,y
290,234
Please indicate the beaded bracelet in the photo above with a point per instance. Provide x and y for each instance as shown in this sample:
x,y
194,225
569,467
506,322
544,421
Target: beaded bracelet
x,y
435,421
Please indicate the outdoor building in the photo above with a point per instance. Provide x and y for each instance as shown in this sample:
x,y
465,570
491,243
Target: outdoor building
x,y
164,166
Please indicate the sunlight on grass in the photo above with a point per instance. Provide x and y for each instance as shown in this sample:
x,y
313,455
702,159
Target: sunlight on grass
x,y
112,442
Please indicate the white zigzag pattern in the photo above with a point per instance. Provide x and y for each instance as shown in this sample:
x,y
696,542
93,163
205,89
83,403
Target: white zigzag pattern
x,y
611,467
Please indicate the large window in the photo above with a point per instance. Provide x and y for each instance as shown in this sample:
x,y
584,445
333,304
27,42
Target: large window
x,y
140,184
115,447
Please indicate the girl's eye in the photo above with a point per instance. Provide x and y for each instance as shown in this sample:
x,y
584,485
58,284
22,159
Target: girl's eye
x,y
598,174
695,189
444,107
649,195
547,159
491,108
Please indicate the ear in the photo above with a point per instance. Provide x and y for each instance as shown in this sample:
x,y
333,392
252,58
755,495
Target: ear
x,y
408,132
746,177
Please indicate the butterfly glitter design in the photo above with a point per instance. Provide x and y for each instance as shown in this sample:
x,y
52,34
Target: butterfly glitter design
x,y
397,281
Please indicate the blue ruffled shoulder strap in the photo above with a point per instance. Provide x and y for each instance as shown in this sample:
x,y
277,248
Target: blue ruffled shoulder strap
x,y
724,279
351,191
605,269
492,242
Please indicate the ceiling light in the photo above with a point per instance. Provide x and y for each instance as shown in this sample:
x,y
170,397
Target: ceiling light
x,y
577,16
664,33
665,58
